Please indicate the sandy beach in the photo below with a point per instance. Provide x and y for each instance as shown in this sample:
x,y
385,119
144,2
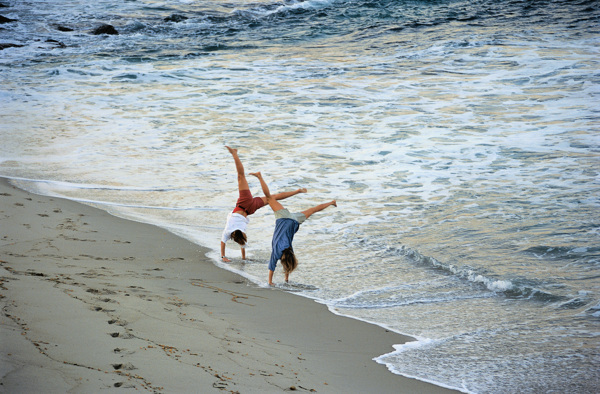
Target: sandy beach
x,y
91,303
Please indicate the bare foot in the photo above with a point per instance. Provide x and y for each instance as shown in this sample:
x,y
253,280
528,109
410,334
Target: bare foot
x,y
334,203
231,150
256,174
302,190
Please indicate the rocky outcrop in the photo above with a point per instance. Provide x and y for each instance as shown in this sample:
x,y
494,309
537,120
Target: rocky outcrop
x,y
105,29
176,18
58,44
9,45
4,19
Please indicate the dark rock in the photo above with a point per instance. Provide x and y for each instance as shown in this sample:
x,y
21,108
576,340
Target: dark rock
x,y
4,19
176,18
7,45
63,28
105,29
58,43
2,5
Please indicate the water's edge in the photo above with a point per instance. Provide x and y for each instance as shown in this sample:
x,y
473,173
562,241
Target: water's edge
x,y
13,181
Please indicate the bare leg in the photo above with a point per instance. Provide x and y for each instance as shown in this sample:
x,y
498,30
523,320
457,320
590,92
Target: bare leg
x,y
273,203
242,182
318,208
284,195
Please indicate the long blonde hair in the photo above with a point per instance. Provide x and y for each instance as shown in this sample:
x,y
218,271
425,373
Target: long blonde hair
x,y
289,260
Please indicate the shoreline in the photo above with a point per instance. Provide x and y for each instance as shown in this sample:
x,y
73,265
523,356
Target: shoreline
x,y
95,302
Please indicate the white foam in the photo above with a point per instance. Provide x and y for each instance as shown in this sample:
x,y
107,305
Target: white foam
x,y
419,344
448,158
494,285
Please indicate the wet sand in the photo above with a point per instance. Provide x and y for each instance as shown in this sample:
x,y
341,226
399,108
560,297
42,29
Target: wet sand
x,y
91,302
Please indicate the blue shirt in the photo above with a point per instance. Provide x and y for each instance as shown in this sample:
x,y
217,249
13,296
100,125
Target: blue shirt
x,y
282,239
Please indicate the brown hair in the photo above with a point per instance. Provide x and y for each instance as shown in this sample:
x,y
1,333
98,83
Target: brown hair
x,y
239,237
289,260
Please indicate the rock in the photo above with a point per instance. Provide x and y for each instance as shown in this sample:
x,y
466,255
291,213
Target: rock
x,y
4,19
58,43
175,18
105,29
63,28
8,45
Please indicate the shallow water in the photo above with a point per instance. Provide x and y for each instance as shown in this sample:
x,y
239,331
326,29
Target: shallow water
x,y
460,141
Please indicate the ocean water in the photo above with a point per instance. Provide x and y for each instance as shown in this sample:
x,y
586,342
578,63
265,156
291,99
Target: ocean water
x,y
461,140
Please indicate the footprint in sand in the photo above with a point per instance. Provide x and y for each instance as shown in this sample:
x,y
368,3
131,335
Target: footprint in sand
x,y
100,292
124,385
119,350
126,366
117,322
100,309
136,289
120,335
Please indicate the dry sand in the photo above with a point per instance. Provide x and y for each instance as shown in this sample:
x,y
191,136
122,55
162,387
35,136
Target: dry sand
x,y
91,303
